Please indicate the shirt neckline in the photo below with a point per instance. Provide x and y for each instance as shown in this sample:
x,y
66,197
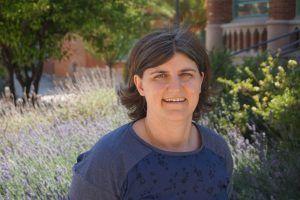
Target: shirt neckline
x,y
164,152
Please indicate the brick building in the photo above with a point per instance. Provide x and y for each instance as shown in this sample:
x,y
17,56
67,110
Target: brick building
x,y
77,57
239,24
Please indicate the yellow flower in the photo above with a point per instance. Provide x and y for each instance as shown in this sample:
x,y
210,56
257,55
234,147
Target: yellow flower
x,y
255,97
261,82
270,58
266,70
280,68
246,106
256,88
292,63
263,64
254,109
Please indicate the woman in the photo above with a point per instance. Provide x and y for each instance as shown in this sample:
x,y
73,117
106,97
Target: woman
x,y
163,153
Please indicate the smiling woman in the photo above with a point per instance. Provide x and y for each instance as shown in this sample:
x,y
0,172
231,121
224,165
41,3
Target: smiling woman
x,y
163,153
171,89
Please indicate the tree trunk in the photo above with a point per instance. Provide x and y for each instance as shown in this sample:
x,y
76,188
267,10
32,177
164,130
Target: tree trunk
x,y
25,82
11,82
110,65
27,88
20,78
8,63
28,80
36,81
38,76
177,15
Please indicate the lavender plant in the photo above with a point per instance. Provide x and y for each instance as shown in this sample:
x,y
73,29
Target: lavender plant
x,y
38,146
261,171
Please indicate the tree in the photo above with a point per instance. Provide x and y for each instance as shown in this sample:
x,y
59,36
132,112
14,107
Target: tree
x,y
112,41
193,13
33,31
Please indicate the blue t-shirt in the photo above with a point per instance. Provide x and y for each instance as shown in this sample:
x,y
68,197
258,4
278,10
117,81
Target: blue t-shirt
x,y
121,165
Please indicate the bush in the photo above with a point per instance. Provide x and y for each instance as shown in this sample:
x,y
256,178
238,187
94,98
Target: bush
x,y
257,108
221,64
39,145
262,172
266,95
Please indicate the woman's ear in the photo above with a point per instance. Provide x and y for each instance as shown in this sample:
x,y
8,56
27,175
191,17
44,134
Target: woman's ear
x,y
138,82
202,77
201,80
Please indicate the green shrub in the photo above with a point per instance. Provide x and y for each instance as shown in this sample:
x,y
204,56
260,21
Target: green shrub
x,y
266,95
221,65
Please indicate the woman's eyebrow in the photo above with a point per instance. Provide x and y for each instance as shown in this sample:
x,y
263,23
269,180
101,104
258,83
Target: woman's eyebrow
x,y
158,71
188,69
164,72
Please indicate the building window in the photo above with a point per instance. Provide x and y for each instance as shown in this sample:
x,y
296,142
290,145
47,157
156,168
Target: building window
x,y
246,8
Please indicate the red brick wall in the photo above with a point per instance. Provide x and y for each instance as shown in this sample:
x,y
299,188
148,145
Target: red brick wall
x,y
49,66
282,9
77,55
91,61
219,11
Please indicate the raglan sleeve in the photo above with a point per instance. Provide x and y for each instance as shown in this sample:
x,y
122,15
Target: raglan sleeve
x,y
93,178
229,168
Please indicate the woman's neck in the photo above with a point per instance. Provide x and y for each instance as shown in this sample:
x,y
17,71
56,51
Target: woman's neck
x,y
169,135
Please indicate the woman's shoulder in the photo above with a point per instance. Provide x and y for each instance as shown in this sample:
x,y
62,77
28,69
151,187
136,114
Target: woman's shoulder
x,y
107,145
112,140
114,153
217,144
214,141
97,170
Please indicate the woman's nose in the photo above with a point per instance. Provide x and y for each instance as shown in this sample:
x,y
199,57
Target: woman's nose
x,y
175,83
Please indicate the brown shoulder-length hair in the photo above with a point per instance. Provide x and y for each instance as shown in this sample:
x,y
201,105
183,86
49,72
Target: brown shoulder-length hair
x,y
155,49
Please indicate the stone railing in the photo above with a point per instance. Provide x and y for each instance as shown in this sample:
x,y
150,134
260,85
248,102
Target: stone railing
x,y
243,33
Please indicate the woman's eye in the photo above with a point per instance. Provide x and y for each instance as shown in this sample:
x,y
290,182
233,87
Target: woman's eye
x,y
160,76
187,75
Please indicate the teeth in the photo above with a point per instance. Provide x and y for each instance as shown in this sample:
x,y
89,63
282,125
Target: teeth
x,y
174,99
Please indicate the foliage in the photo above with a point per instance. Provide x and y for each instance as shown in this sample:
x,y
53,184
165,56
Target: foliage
x,y
256,106
221,65
127,22
64,105
262,172
38,146
33,31
191,12
36,163
2,72
268,97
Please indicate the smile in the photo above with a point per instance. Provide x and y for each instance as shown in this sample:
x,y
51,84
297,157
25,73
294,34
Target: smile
x,y
174,100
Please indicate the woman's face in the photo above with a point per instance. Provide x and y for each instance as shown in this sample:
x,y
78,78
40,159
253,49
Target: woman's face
x,y
172,89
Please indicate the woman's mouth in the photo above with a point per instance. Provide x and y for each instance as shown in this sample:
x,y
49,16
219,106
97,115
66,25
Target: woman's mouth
x,y
174,100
